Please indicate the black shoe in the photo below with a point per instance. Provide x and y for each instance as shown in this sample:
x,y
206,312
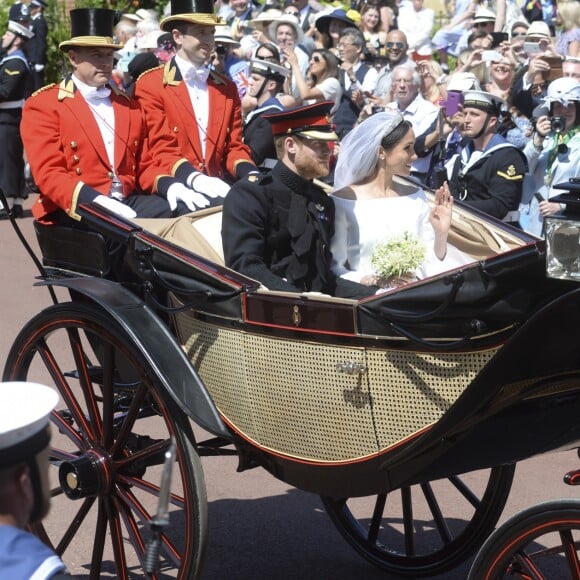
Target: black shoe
x,y
3,214
18,211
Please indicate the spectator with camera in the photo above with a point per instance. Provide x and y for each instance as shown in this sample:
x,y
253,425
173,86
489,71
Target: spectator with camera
x,y
554,152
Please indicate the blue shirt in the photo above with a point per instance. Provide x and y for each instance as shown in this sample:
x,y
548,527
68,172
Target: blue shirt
x,y
24,557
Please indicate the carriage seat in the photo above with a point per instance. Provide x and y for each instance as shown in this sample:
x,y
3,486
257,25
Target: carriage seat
x,y
71,251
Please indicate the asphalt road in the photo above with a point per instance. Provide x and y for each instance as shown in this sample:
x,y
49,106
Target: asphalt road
x,y
261,528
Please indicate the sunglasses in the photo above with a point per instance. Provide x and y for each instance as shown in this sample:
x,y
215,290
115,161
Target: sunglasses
x,y
316,58
480,24
219,49
399,45
516,34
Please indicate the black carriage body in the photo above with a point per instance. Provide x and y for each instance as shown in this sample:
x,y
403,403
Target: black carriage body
x,y
473,368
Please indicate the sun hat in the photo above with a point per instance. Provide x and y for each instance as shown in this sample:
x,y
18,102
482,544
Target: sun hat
x,y
290,20
193,11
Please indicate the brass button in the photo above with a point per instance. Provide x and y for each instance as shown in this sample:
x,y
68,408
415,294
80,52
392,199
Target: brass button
x,y
134,167
78,170
73,145
176,129
135,142
76,158
110,175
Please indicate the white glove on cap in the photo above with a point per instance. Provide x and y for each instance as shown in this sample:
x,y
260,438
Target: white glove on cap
x,y
115,206
178,192
211,186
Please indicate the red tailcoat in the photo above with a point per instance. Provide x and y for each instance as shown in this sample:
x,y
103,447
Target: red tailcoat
x,y
165,101
67,154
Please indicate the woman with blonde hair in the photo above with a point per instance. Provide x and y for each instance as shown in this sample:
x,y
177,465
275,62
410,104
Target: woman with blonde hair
x,y
432,78
568,43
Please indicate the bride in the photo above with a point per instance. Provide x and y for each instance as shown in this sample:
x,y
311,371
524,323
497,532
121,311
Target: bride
x,y
373,206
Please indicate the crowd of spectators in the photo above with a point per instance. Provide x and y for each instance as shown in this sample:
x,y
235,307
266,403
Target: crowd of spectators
x,y
380,55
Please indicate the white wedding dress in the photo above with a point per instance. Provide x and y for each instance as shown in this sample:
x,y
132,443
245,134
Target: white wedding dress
x,y
360,225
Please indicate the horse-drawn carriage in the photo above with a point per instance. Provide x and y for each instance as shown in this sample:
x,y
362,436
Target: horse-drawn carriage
x,y
393,395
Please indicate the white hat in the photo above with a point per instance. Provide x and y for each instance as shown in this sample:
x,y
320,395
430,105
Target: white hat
x,y
563,91
484,14
19,29
538,29
223,35
463,81
264,18
24,413
149,40
286,19
268,69
145,14
482,100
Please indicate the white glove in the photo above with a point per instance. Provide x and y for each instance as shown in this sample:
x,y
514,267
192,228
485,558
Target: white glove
x,y
38,67
179,192
115,206
210,186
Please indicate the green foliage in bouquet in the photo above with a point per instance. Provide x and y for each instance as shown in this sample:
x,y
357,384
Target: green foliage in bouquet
x,y
398,256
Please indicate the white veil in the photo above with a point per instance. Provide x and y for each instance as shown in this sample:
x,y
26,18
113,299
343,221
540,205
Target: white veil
x,y
358,151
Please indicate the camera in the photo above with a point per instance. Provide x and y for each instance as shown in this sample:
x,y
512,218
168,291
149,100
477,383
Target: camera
x,y
558,124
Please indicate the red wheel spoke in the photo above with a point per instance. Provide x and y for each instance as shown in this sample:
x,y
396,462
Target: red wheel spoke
x,y
174,499
116,539
99,542
377,518
74,526
85,379
64,428
131,525
129,420
108,395
167,546
64,389
571,553
527,565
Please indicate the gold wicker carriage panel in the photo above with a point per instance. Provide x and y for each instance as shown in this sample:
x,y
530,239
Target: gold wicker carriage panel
x,y
320,402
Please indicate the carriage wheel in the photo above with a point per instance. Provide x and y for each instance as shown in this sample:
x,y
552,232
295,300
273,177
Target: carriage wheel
x,y
109,436
538,543
405,532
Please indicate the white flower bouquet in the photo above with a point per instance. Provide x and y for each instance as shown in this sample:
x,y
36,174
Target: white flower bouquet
x,y
398,256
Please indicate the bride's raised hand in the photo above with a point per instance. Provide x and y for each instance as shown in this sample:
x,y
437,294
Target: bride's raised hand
x,y
442,211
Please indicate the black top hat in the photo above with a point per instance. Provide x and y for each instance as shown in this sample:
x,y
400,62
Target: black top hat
x,y
194,11
310,121
92,27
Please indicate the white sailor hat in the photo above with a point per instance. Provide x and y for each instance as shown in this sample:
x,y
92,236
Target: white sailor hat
x,y
268,69
24,413
463,81
482,100
19,29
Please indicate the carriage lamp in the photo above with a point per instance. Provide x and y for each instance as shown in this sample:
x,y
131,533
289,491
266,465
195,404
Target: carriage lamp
x,y
563,247
562,232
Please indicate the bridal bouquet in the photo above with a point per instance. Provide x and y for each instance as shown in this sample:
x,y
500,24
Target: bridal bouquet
x,y
398,256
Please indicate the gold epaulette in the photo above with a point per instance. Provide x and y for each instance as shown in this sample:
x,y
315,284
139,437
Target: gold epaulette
x,y
42,89
149,71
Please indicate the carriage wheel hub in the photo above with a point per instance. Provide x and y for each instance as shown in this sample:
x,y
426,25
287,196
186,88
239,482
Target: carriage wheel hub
x,y
85,476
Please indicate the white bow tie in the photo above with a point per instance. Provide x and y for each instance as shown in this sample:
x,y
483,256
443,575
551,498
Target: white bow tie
x,y
197,74
97,94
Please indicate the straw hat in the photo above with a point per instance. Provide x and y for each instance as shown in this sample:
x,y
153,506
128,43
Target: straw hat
x,y
290,20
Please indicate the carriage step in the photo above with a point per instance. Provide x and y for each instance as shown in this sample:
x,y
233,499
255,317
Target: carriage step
x,y
572,477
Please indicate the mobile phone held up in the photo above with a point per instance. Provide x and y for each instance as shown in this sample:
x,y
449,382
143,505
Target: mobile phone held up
x,y
453,103
498,38
532,47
